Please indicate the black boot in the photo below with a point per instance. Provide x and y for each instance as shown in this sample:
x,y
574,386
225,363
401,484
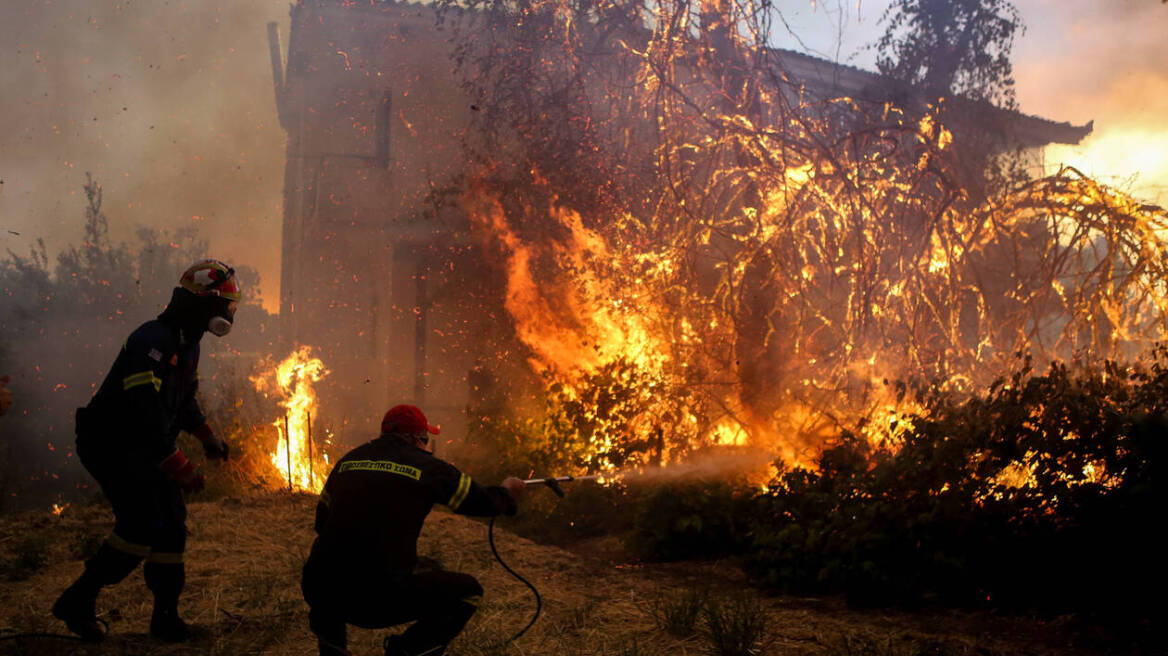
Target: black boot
x,y
329,630
166,581
166,625
76,608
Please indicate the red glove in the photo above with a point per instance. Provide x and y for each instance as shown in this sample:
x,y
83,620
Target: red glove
x,y
213,446
183,471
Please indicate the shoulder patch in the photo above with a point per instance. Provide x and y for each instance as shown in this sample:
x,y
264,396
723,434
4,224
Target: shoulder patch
x,y
155,355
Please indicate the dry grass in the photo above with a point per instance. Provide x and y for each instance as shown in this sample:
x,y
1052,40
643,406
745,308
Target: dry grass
x,y
243,574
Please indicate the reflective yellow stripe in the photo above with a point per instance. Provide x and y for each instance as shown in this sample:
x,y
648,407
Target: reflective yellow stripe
x,y
460,494
475,601
142,378
121,544
165,558
385,466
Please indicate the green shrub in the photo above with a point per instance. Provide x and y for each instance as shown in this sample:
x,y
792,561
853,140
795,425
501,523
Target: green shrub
x,y
939,520
678,615
1042,492
735,626
692,519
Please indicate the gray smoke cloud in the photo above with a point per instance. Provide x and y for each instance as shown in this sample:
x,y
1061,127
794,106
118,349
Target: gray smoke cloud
x,y
168,104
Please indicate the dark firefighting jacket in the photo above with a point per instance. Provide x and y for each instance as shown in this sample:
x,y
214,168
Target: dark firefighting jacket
x,y
147,397
376,498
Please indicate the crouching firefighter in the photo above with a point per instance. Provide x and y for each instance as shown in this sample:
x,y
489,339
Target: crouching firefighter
x,y
361,569
126,440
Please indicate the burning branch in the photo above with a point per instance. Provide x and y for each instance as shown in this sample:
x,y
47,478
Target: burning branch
x,y
300,462
698,244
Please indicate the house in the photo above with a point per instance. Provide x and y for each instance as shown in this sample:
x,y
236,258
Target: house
x,y
373,272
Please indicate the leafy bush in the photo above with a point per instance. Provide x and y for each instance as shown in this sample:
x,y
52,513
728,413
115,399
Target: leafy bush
x,y
1042,492
678,614
692,519
735,626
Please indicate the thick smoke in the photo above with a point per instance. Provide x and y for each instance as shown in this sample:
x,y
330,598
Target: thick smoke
x,y
169,104
1084,60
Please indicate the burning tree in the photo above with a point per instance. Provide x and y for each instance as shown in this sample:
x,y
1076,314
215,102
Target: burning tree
x,y
701,247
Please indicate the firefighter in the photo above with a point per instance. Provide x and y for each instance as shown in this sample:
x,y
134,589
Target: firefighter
x,y
126,440
362,569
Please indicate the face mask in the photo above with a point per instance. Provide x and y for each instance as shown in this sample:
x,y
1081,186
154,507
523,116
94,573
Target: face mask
x,y
219,326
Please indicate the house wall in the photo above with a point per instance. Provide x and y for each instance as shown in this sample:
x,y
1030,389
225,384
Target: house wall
x,y
374,115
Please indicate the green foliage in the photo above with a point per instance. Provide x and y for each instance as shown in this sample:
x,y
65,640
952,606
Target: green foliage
x,y
952,47
1042,492
1037,493
588,511
678,614
691,519
735,626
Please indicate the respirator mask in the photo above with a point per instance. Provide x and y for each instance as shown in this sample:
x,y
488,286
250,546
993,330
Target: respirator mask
x,y
219,326
223,314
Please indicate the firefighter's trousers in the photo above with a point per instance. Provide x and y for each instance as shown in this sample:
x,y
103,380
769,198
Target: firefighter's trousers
x,y
149,524
439,603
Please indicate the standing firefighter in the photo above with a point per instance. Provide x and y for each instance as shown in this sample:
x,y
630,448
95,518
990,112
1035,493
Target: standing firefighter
x,y
361,570
126,440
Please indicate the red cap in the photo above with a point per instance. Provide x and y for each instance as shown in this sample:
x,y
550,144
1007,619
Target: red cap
x,y
406,419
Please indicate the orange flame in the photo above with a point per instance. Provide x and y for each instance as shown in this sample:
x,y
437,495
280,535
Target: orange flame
x,y
299,454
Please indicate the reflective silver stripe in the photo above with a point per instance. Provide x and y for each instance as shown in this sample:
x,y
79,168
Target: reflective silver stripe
x,y
459,494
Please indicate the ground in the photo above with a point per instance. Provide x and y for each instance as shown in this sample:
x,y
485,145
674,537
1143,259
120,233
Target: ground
x,y
243,571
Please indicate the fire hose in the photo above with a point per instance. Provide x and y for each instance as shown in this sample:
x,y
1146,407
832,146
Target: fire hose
x,y
554,484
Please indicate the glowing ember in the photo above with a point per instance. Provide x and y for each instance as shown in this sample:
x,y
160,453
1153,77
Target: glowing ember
x,y
299,454
58,508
